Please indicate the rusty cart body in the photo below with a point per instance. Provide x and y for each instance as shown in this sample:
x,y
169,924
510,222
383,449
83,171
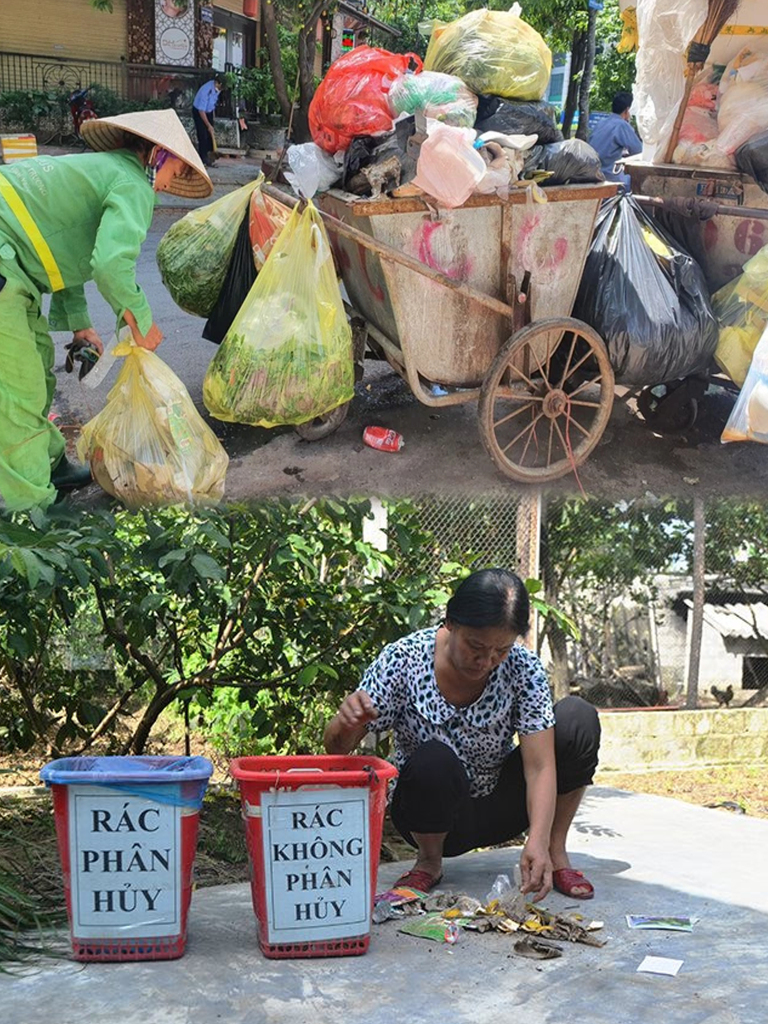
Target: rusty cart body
x,y
473,305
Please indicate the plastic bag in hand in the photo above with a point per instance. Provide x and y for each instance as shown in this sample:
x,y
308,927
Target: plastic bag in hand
x,y
493,52
741,307
194,253
646,297
149,445
749,418
288,356
440,97
352,98
312,169
449,167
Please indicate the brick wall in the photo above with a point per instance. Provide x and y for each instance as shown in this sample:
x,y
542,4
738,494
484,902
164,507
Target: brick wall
x,y
652,740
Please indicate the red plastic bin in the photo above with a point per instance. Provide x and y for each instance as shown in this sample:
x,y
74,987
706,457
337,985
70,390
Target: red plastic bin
x,y
313,828
127,830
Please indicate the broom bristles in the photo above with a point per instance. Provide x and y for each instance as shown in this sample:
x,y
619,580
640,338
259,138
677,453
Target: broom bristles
x,y
718,13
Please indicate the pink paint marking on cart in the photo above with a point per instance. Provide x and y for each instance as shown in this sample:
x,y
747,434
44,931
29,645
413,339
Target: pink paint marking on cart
x,y
458,271
530,258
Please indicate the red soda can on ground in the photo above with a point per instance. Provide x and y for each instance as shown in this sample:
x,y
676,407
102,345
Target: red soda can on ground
x,y
383,439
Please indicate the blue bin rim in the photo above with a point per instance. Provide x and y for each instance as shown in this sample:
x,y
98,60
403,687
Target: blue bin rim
x,y
136,768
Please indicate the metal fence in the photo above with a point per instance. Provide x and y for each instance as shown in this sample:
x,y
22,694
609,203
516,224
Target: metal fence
x,y
134,83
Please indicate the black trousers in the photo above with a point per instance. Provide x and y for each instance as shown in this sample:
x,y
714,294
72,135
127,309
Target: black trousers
x,y
432,791
204,143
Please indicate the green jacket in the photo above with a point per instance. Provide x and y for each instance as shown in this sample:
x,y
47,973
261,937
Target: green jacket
x,y
94,210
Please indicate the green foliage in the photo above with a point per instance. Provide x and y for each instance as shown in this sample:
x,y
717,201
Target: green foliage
x,y
407,18
277,604
256,86
614,71
27,107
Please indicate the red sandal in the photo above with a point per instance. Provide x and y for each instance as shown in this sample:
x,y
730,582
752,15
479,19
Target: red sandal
x,y
421,880
566,880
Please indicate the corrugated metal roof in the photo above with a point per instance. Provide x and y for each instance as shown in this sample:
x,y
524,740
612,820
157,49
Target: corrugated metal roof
x,y
737,621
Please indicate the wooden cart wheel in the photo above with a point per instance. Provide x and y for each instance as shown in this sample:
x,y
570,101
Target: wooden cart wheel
x,y
323,426
546,400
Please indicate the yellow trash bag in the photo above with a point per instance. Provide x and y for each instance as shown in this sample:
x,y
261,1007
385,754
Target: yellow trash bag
x,y
493,52
149,445
195,252
287,357
741,307
629,41
749,417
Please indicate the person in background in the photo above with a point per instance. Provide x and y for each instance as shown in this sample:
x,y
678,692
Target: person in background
x,y
64,221
456,695
614,138
203,109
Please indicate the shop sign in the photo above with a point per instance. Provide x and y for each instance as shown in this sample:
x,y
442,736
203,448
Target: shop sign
x,y
175,32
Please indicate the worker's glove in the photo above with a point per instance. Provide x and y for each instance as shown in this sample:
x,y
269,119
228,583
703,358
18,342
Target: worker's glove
x,y
80,351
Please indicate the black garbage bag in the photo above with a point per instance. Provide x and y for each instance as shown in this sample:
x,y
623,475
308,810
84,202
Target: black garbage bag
x,y
379,163
534,118
752,158
571,162
241,274
646,297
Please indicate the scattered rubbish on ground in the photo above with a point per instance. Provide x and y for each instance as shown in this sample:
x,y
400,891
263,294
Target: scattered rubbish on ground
x,y
660,965
537,949
439,916
671,924
383,440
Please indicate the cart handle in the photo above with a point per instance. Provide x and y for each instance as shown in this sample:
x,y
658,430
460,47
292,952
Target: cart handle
x,y
386,252
701,209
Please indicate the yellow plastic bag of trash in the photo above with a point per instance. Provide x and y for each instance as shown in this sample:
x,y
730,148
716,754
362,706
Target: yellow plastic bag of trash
x,y
287,358
493,52
741,308
149,445
749,417
195,252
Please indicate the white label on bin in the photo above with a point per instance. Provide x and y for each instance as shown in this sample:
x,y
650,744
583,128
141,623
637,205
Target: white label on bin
x,y
125,863
317,864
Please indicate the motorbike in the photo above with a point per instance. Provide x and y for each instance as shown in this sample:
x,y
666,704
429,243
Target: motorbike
x,y
81,108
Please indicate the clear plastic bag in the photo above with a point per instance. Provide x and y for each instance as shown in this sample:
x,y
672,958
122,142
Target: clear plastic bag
x,y
493,52
312,169
749,417
741,308
440,97
352,98
288,356
149,445
449,167
268,218
194,253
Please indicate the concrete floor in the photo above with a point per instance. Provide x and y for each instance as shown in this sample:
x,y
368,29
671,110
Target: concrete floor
x,y
644,854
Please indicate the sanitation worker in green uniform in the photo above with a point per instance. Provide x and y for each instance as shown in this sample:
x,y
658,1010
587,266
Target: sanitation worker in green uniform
x,y
64,221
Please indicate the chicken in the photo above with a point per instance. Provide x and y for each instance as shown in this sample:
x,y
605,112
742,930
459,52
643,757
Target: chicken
x,y
723,697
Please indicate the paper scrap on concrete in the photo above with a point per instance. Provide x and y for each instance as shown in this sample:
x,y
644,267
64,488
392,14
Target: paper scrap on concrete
x,y
672,924
660,965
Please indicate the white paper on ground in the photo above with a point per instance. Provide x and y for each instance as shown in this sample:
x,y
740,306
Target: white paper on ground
x,y
660,965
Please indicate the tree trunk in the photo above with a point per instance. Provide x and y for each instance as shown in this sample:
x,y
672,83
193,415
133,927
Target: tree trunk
x,y
275,61
552,631
586,79
578,52
697,613
307,52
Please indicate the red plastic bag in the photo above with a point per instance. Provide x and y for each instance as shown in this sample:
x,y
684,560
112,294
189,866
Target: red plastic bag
x,y
352,98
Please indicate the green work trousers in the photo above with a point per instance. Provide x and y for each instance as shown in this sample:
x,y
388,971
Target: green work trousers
x,y
30,445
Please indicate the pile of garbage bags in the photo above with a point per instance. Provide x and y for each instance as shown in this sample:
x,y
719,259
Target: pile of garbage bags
x,y
471,120
725,124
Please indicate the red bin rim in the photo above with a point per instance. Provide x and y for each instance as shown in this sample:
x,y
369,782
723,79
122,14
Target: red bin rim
x,y
303,769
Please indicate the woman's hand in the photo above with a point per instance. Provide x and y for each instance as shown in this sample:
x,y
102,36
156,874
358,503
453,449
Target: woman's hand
x,y
150,340
90,337
357,709
348,725
536,870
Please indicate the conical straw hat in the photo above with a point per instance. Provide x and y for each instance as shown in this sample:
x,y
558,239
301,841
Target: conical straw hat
x,y
161,127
